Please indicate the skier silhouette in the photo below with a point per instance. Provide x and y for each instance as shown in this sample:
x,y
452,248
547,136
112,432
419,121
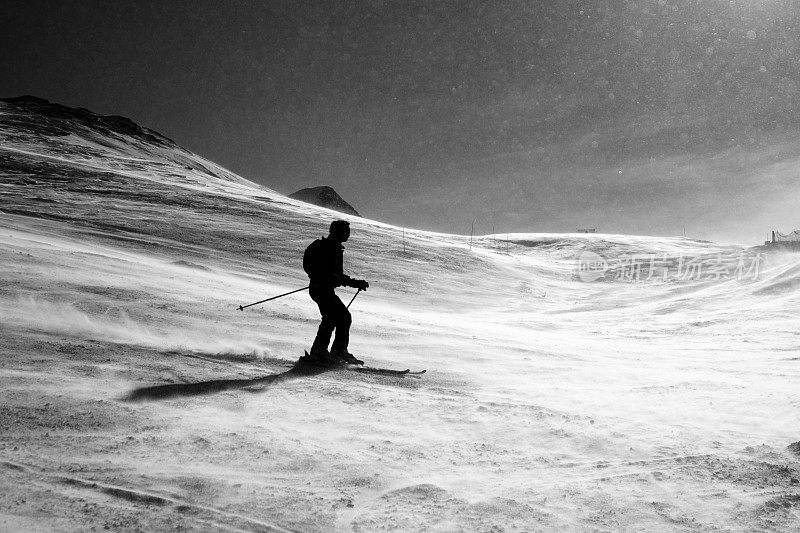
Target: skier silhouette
x,y
323,262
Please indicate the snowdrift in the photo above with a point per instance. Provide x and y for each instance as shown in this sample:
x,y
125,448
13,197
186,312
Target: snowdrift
x,y
575,381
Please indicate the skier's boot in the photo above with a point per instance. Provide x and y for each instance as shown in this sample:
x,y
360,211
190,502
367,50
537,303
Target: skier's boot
x,y
318,357
345,357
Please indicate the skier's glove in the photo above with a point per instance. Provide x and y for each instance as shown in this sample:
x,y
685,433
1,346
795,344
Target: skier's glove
x,y
360,284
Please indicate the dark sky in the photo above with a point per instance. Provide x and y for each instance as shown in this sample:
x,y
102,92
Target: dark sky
x,y
629,116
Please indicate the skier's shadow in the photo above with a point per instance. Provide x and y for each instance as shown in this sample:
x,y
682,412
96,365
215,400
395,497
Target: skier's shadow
x,y
175,390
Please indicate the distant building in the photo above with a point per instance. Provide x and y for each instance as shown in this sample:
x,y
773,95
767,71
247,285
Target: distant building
x,y
794,236
784,240
588,230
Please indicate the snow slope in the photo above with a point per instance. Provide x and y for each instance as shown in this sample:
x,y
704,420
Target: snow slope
x,y
550,403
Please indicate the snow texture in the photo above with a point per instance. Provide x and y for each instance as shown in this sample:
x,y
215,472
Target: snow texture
x,y
550,403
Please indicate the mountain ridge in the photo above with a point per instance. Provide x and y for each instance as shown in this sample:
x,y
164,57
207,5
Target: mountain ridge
x,y
324,196
59,113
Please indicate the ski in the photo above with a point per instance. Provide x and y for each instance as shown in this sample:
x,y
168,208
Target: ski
x,y
384,371
306,360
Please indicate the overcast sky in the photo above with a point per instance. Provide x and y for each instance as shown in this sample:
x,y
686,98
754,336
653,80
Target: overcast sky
x,y
629,116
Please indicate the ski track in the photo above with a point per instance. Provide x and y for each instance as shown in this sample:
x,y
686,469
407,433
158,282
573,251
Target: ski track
x,y
146,498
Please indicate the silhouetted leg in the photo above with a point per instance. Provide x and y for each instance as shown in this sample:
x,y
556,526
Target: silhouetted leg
x,y
343,321
330,307
324,333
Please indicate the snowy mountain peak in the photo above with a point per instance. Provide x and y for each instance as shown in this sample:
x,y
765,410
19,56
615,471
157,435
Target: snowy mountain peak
x,y
81,139
324,196
34,115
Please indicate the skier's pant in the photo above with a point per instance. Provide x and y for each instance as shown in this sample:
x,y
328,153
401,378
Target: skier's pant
x,y
334,316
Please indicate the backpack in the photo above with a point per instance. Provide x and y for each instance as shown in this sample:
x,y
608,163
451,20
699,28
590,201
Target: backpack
x,y
310,257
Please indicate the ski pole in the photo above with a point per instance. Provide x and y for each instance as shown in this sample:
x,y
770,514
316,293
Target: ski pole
x,y
242,307
354,297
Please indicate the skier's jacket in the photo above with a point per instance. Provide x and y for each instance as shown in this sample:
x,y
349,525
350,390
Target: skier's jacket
x,y
323,262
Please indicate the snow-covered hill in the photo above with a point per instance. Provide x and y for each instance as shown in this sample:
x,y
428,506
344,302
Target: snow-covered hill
x,y
580,382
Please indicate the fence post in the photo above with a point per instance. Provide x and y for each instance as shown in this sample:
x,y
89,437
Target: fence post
x,y
471,231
